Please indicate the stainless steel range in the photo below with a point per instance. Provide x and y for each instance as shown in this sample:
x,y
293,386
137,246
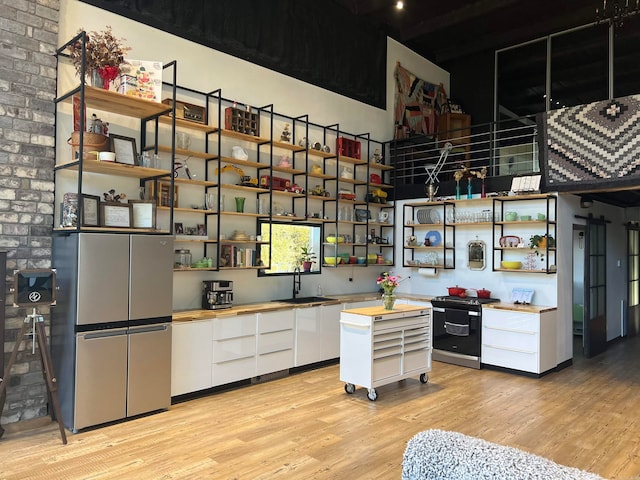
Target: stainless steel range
x,y
457,327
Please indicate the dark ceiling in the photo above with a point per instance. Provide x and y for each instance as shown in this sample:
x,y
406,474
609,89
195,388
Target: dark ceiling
x,y
443,30
450,31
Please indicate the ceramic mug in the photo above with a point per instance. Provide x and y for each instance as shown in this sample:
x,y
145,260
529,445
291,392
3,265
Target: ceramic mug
x,y
383,216
541,216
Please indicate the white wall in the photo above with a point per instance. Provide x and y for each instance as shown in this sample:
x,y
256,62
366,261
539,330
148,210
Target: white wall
x,y
204,69
568,209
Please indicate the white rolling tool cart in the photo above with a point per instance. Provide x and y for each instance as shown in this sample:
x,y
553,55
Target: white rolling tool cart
x,y
379,346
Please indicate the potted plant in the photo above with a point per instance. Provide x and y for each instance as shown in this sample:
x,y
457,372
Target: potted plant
x,y
307,258
539,243
104,53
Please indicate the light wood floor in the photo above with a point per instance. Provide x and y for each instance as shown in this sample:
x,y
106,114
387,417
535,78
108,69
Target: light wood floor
x,y
306,426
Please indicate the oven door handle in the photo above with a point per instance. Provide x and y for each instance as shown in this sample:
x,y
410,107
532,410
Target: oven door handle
x,y
438,309
456,329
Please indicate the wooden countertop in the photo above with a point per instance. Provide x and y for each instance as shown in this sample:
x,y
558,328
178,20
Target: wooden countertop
x,y
379,310
189,315
520,308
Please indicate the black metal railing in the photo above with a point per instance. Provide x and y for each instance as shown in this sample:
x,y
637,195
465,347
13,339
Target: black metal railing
x,y
507,148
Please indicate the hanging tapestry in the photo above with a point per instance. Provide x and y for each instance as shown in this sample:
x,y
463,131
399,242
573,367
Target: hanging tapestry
x,y
417,104
594,146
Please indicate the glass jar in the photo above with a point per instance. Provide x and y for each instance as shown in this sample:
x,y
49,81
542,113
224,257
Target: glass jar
x,y
182,258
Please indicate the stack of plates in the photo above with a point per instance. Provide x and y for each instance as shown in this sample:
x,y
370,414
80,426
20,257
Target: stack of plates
x,y
428,215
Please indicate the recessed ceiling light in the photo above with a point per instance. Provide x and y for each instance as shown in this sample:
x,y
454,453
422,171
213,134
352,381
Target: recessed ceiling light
x,y
399,5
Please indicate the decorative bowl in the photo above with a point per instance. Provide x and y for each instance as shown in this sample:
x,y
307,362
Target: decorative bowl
x,y
330,260
511,265
361,260
525,218
334,239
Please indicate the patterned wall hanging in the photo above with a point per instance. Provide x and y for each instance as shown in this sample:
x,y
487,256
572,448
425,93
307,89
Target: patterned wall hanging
x,y
594,146
417,104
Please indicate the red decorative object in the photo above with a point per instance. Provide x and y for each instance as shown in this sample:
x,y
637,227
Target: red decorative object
x,y
108,74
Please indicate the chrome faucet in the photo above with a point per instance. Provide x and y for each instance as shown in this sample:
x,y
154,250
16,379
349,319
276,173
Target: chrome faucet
x,y
297,281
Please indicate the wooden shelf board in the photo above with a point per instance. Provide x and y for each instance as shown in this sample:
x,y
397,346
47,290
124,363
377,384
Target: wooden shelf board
x,y
246,163
243,188
320,175
292,171
195,240
180,122
353,181
380,166
114,168
242,136
111,229
101,99
188,153
191,181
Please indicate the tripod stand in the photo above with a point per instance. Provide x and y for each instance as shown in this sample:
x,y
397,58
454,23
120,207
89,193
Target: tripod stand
x,y
47,366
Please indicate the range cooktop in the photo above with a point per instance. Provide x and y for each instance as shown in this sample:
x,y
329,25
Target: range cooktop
x,y
445,300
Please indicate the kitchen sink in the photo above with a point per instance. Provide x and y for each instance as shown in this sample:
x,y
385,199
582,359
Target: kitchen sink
x,y
305,300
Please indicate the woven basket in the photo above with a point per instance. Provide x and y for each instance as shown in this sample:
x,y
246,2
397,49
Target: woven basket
x,y
92,142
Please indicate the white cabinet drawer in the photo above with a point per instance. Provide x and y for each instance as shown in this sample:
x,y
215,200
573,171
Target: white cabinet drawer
x,y
387,367
275,321
276,361
518,360
513,340
232,327
419,360
233,371
226,350
510,320
275,341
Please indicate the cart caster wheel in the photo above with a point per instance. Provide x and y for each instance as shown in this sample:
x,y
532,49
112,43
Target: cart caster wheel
x,y
349,388
424,377
372,394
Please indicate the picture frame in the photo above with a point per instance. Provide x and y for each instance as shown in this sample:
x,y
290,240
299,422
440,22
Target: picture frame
x,y
90,210
125,149
178,228
116,215
143,213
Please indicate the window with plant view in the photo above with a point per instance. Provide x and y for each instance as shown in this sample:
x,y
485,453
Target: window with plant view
x,y
290,245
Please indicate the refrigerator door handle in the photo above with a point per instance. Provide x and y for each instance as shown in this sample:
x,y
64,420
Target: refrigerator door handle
x,y
147,329
103,334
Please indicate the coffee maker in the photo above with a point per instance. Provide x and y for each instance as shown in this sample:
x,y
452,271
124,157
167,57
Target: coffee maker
x,y
217,294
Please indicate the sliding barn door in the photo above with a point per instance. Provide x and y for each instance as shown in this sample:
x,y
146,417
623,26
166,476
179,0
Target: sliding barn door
x,y
595,313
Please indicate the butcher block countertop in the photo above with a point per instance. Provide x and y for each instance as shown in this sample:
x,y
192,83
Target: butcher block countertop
x,y
519,308
379,310
189,315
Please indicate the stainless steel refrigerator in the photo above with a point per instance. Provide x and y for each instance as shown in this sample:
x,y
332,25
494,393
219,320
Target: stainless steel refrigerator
x,y
111,328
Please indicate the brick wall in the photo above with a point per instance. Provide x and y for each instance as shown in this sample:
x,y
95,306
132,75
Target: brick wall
x,y
28,38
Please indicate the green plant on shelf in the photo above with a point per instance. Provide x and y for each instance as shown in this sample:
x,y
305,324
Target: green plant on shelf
x,y
539,244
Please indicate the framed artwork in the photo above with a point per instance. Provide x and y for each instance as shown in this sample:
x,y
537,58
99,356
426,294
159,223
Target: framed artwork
x,y
90,210
125,149
116,214
178,228
144,213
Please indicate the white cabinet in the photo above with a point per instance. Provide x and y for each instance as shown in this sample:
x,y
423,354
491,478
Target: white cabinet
x,y
317,334
330,315
275,341
234,348
380,346
519,340
191,352
308,344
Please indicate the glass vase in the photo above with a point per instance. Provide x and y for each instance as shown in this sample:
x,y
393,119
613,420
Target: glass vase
x,y
457,190
483,193
469,193
388,299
